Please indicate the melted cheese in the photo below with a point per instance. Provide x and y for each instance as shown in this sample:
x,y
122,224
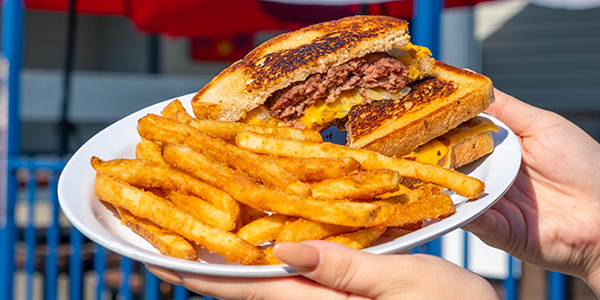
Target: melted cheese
x,y
323,113
460,135
261,116
432,152
435,150
410,55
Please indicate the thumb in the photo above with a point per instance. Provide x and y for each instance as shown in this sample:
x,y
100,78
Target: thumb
x,y
336,266
517,115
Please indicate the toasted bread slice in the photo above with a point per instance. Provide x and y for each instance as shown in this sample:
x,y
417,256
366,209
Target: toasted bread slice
x,y
436,104
292,57
471,149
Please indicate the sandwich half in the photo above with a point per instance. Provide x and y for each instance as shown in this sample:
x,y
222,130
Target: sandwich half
x,y
360,74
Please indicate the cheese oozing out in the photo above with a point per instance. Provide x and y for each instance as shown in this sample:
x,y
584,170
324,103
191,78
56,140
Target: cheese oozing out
x,y
433,151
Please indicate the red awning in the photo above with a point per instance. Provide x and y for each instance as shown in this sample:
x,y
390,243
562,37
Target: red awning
x,y
210,18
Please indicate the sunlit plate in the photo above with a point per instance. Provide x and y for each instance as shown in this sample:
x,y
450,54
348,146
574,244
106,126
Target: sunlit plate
x,y
79,204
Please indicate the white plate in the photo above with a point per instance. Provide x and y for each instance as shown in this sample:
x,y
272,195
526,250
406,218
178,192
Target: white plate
x,y
93,219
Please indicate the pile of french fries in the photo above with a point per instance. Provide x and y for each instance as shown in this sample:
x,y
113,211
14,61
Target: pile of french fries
x,y
237,189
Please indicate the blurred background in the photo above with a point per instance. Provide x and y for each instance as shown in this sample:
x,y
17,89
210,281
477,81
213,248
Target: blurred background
x,y
73,67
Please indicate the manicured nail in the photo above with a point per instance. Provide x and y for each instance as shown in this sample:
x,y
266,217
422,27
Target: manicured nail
x,y
301,257
166,275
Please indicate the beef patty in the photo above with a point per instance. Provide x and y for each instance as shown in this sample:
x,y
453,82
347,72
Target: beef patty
x,y
375,70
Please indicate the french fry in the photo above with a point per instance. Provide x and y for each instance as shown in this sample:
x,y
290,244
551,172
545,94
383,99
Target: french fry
x,y
317,168
249,214
202,210
166,215
360,239
246,190
175,111
264,229
161,129
147,149
304,230
398,214
361,185
228,130
166,242
462,184
269,258
418,192
146,173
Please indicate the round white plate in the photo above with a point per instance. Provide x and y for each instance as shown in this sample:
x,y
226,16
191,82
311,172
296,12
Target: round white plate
x,y
94,220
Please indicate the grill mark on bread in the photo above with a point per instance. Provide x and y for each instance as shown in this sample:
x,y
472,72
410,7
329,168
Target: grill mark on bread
x,y
367,118
264,68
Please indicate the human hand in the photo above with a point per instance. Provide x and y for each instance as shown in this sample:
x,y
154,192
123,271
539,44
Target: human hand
x,y
551,215
332,271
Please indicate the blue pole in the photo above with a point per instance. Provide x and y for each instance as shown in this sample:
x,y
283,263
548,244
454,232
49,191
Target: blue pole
x,y
511,283
181,293
99,269
152,287
557,286
30,236
76,240
126,271
12,47
425,25
425,31
10,144
52,240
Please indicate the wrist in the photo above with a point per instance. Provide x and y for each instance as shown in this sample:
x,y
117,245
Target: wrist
x,y
593,281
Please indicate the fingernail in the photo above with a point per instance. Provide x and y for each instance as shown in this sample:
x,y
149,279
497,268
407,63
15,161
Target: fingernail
x,y
301,257
166,275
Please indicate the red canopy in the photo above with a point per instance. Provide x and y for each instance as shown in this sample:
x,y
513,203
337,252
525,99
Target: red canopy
x,y
211,18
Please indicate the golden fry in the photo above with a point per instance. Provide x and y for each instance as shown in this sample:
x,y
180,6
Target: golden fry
x,y
362,185
269,258
462,184
304,230
175,111
398,214
166,242
202,210
166,215
317,168
248,215
246,190
157,128
146,173
263,230
228,130
147,149
359,239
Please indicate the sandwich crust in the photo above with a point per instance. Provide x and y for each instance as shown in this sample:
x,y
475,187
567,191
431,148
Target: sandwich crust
x,y
437,104
292,57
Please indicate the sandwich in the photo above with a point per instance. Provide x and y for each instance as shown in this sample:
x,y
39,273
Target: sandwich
x,y
364,76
